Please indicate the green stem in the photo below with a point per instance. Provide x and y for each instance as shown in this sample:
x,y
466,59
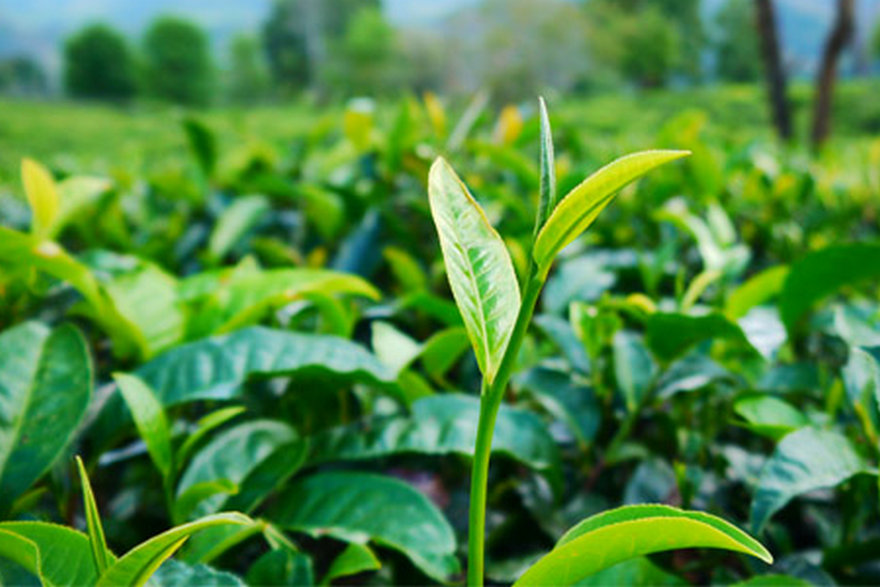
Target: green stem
x,y
490,402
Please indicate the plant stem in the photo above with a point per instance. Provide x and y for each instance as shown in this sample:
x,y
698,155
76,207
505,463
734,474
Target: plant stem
x,y
490,402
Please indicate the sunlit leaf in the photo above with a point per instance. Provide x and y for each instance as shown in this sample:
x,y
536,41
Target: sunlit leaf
x,y
39,187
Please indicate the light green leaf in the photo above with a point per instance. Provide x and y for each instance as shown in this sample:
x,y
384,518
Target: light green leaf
x,y
606,539
439,425
149,418
803,461
233,455
45,388
226,362
102,555
757,290
359,507
138,564
634,368
478,265
443,350
203,427
75,195
769,416
822,273
56,554
247,296
39,187
580,207
547,199
234,223
356,558
394,348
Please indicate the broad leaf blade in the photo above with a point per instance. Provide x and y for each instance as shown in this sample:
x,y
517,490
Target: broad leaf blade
x,y
803,461
149,418
479,268
617,535
357,507
45,388
101,554
140,562
36,546
582,205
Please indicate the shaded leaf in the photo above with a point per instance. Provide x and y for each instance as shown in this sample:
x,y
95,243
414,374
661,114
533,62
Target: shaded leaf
x,y
149,418
671,335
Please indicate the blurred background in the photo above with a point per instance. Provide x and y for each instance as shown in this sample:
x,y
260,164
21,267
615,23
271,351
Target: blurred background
x,y
770,63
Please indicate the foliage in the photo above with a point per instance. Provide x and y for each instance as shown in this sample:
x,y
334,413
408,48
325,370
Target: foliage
x,y
739,58
248,311
98,64
177,62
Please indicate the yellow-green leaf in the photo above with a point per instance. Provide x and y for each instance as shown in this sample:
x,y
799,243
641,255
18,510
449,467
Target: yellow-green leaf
x,y
582,205
39,187
606,539
478,265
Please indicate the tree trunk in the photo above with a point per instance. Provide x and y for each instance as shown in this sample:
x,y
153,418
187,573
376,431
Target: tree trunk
x,y
840,36
774,73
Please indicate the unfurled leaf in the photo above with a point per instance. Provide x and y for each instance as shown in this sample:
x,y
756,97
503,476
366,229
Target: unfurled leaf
x,y
149,418
769,416
671,335
359,507
634,368
138,564
757,290
39,187
479,268
804,460
611,537
203,427
440,424
102,555
580,207
225,363
177,574
45,388
235,222
356,558
822,273
36,547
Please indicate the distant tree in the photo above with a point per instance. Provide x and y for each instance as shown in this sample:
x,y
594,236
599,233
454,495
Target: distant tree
x,y
298,34
363,60
178,65
737,47
839,37
248,74
774,74
22,75
651,48
98,64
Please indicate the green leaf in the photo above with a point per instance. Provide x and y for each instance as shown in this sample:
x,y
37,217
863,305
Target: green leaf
x,y
358,507
636,571
671,335
439,425
443,350
243,298
39,187
225,363
580,207
634,368
282,567
138,564
186,502
394,348
822,273
611,537
769,416
233,455
45,388
356,558
803,461
202,143
757,290
203,427
56,554
149,418
478,265
174,573
102,555
75,195
547,199
234,223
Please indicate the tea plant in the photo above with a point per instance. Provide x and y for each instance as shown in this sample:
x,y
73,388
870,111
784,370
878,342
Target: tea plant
x,y
496,316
